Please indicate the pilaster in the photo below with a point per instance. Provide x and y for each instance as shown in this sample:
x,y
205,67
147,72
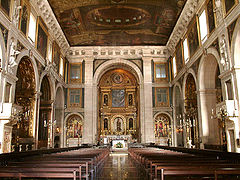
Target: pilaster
x,y
147,125
88,128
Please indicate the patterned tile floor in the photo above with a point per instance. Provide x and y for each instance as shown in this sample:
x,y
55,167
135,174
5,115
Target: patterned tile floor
x,y
119,166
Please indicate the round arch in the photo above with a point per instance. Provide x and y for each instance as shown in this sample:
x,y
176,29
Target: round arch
x,y
126,65
59,115
192,72
177,114
235,46
209,70
33,61
73,141
161,127
111,64
51,82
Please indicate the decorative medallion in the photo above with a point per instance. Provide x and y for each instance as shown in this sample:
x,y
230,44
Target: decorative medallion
x,y
117,78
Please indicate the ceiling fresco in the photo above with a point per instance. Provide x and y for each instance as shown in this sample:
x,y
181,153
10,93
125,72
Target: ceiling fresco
x,y
117,22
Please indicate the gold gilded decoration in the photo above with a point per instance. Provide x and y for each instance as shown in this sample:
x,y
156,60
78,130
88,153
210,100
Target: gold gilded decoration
x,y
118,107
74,127
24,98
162,125
117,78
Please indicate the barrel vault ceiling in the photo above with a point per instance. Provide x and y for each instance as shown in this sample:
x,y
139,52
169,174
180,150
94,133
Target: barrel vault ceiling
x,y
117,22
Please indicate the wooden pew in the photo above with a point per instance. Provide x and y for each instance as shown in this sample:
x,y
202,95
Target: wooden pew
x,y
68,165
166,162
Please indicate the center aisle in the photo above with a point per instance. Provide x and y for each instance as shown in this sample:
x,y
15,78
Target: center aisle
x,y
119,166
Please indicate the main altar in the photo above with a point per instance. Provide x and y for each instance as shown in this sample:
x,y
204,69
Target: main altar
x,y
118,120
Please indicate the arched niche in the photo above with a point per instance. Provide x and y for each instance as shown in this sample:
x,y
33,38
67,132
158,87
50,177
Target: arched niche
x,y
162,129
58,127
210,94
74,130
178,104
45,113
23,130
190,120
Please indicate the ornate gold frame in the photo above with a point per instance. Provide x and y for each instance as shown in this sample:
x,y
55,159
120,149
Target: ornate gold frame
x,y
27,4
43,26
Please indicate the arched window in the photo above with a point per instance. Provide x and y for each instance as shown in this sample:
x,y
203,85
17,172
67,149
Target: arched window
x,y
74,127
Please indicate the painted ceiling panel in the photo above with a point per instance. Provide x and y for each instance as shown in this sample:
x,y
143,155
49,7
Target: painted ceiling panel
x,y
117,22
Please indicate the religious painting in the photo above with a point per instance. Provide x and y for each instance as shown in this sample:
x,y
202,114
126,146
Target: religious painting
x,y
74,127
56,55
190,92
75,73
210,13
162,124
161,95
229,5
193,40
5,4
42,39
231,28
91,23
118,98
24,17
179,56
5,34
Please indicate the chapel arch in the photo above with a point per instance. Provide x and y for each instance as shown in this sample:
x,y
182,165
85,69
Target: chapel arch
x,y
190,122
58,127
23,128
162,129
45,113
210,95
74,130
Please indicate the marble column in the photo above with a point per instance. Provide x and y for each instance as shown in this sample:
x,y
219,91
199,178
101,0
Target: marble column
x,y
89,119
147,125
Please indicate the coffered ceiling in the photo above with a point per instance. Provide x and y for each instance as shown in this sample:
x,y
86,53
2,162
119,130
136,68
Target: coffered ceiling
x,y
117,22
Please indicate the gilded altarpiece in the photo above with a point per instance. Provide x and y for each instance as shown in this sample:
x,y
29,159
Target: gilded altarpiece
x,y
118,105
22,132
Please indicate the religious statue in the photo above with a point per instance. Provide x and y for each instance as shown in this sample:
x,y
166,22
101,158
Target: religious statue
x,y
223,52
13,54
105,124
105,99
16,13
218,11
119,125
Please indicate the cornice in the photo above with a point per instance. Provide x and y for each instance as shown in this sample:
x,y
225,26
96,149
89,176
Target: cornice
x,y
111,52
45,11
185,18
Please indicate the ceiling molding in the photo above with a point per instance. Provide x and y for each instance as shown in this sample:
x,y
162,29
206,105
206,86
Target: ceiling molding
x,y
45,11
182,24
